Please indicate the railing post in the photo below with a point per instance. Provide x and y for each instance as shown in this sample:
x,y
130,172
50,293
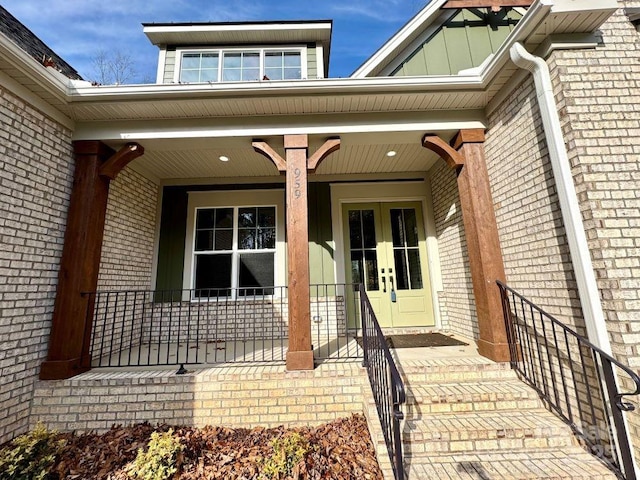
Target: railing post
x,y
365,350
617,407
398,416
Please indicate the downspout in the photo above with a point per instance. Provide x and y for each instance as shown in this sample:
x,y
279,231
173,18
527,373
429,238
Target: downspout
x,y
569,206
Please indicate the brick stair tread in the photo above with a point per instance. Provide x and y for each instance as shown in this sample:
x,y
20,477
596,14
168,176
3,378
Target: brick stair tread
x,y
490,390
484,425
557,463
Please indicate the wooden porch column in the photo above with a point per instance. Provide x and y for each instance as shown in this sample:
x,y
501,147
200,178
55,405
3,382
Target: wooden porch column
x,y
466,156
96,165
296,168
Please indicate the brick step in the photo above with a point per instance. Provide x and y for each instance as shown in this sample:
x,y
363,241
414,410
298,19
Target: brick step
x,y
484,431
557,463
429,372
483,395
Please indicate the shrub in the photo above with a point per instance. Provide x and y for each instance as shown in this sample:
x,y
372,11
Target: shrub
x,y
30,456
288,451
160,461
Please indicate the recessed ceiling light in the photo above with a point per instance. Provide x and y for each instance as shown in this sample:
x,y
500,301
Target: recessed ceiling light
x,y
391,153
224,159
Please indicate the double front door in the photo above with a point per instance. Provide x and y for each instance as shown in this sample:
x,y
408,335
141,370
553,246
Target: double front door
x,y
386,251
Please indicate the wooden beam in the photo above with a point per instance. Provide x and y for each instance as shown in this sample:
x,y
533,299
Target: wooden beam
x,y
495,5
265,149
330,146
434,143
299,353
71,324
481,233
114,165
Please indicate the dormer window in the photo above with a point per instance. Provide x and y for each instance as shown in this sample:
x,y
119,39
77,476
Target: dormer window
x,y
241,65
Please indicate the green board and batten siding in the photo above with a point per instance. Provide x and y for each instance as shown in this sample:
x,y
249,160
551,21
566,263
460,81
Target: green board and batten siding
x,y
461,42
173,226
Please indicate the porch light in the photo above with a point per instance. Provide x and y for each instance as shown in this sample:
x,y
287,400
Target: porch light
x,y
391,153
222,158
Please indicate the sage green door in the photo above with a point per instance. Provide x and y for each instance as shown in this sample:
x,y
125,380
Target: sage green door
x,y
386,251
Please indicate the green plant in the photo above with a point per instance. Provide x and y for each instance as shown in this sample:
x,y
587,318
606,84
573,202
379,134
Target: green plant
x,y
30,456
160,461
288,451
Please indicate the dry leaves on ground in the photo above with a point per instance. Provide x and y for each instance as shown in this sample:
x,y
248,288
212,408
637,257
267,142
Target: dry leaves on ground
x,y
338,450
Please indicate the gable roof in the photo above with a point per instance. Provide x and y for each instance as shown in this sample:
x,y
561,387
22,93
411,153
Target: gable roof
x,y
402,39
30,43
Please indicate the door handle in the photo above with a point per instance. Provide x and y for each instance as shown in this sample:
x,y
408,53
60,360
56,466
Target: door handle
x,y
393,292
384,282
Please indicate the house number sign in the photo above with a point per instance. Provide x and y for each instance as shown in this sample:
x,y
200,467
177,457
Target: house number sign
x,y
296,182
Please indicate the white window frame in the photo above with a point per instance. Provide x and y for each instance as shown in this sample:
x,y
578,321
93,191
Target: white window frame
x,y
302,49
236,200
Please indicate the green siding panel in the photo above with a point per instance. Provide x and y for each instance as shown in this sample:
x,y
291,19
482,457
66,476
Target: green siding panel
x,y
169,66
464,41
173,226
312,62
321,252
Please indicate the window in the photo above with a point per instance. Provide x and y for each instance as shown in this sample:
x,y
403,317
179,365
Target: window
x,y
234,251
236,65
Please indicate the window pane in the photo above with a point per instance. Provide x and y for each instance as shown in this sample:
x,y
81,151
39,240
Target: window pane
x,y
247,217
273,73
411,227
292,74
232,60
213,272
251,74
273,59
224,239
209,75
256,270
266,238
292,59
246,239
402,277
251,60
267,216
355,232
190,61
357,270
368,229
189,76
209,60
204,240
231,75
371,269
415,272
397,227
205,218
224,217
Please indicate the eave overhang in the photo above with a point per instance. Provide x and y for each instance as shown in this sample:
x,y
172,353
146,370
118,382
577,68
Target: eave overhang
x,y
472,90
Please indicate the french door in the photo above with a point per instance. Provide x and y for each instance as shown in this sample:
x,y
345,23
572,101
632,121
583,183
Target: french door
x,y
386,251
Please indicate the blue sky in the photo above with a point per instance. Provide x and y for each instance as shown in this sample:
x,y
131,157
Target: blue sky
x,y
78,29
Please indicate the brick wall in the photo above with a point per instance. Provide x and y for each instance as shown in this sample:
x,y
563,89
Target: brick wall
x,y
36,171
231,396
129,233
457,303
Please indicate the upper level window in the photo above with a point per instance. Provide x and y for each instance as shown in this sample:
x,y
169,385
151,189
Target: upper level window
x,y
236,65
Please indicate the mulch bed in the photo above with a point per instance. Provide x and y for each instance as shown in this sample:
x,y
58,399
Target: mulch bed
x,y
338,450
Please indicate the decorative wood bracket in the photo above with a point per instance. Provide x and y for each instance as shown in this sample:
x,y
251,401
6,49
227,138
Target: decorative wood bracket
x,y
330,146
265,149
114,165
434,143
495,5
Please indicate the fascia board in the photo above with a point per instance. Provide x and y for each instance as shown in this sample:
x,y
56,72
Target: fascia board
x,y
427,15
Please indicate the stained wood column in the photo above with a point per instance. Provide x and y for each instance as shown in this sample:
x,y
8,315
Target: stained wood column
x,y
296,166
95,165
466,156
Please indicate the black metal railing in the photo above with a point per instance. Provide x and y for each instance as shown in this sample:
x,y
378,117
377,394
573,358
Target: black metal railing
x,y
210,326
386,383
574,377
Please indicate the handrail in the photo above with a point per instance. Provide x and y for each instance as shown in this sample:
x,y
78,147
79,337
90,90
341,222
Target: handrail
x,y
575,378
386,383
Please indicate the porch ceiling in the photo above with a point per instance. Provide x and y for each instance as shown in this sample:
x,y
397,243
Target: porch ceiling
x,y
360,153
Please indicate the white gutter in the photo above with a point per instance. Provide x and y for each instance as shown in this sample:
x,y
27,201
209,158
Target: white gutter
x,y
569,206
